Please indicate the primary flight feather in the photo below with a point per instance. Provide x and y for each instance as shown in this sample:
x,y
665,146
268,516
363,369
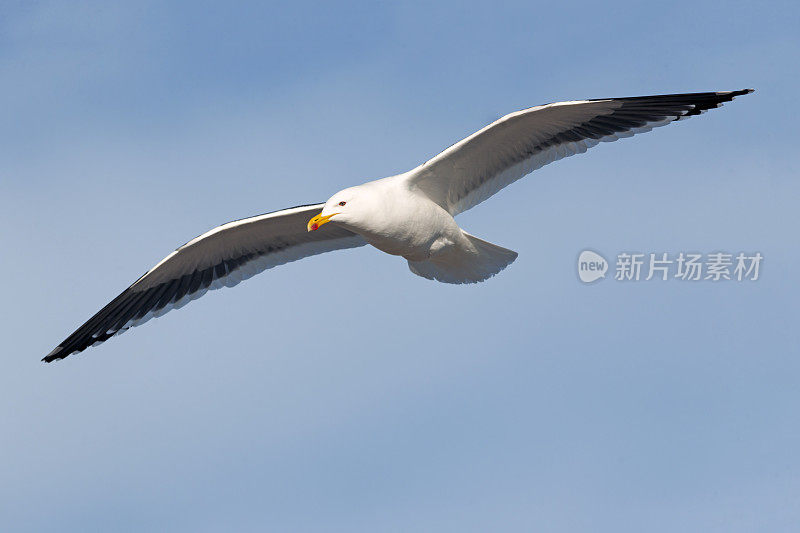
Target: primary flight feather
x,y
410,215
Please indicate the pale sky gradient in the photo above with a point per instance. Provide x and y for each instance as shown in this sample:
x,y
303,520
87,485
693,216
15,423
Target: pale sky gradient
x,y
343,393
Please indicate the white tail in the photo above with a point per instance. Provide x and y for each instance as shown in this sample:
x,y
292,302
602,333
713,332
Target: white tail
x,y
482,261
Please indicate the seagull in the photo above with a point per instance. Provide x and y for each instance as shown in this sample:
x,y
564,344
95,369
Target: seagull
x,y
409,215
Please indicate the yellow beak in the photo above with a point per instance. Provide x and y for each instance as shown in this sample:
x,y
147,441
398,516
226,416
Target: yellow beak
x,y
318,221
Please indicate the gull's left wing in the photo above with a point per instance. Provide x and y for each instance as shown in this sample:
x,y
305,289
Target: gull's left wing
x,y
475,168
221,257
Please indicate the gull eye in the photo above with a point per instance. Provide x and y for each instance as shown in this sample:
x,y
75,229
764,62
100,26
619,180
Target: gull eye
x,y
342,203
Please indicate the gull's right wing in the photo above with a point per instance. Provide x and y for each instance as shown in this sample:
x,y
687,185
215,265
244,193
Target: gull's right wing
x,y
221,257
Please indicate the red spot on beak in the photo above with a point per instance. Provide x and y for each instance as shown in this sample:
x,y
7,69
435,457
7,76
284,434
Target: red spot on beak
x,y
314,226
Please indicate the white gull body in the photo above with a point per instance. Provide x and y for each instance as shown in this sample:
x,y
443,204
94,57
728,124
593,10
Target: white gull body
x,y
409,215
397,217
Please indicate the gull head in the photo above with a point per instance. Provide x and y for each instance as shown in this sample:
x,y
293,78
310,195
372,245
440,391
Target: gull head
x,y
347,207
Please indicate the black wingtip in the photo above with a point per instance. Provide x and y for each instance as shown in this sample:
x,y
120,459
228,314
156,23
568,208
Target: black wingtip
x,y
54,355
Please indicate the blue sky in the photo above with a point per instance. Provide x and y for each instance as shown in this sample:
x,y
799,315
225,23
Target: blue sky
x,y
342,393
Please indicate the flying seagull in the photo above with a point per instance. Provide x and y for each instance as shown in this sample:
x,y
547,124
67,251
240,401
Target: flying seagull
x,y
410,215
